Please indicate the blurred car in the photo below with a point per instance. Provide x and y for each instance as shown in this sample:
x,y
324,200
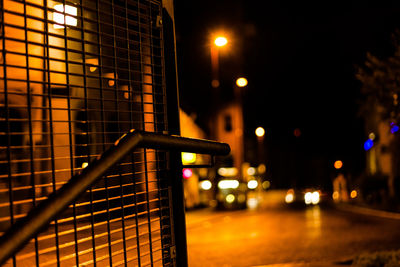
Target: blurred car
x,y
231,194
305,197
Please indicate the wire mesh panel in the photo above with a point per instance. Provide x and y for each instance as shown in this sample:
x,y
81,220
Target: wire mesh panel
x,y
74,77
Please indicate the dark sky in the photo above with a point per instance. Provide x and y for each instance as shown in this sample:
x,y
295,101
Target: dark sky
x,y
300,59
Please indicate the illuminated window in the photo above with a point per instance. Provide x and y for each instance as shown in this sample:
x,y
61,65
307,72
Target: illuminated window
x,y
61,19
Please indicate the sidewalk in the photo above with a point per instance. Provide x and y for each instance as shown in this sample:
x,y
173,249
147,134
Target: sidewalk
x,y
368,211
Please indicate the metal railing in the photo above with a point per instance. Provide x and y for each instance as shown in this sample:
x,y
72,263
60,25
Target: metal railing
x,y
40,216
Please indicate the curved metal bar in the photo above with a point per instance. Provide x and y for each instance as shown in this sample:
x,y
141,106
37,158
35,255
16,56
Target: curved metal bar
x,y
40,216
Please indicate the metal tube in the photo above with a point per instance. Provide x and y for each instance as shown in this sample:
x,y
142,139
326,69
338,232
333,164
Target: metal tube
x,y
40,216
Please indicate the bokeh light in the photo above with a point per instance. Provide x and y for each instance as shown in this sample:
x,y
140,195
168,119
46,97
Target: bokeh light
x,y
220,41
394,128
241,82
260,131
205,185
368,144
187,173
297,132
251,171
188,158
230,198
338,164
252,184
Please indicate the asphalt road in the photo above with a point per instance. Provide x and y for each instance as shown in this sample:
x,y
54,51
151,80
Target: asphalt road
x,y
278,236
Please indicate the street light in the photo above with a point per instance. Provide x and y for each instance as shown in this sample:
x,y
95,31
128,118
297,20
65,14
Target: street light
x,y
260,131
241,82
219,42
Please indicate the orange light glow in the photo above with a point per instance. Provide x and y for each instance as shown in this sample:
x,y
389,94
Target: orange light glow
x,y
338,164
353,194
241,82
220,41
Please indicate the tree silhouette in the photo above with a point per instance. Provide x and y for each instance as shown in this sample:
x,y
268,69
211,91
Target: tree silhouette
x,y
380,78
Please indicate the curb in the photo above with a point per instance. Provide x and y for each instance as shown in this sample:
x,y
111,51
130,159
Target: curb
x,y
369,211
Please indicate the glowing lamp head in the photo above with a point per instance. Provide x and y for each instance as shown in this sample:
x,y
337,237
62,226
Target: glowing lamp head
x,y
260,131
187,173
220,41
338,164
241,82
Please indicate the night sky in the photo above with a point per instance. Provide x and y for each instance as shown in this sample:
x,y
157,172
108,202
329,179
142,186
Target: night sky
x,y
300,59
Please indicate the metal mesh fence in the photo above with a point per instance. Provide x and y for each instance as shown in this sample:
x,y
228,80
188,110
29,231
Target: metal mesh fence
x,y
74,77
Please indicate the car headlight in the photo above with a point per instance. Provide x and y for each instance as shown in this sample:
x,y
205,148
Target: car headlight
x,y
252,184
205,185
311,198
289,198
230,198
228,184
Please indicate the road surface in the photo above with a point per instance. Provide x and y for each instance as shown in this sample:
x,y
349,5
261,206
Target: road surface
x,y
317,236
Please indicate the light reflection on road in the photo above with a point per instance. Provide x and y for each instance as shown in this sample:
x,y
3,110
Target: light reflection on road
x,y
313,221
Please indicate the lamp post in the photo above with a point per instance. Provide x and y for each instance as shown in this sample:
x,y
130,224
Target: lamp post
x,y
218,42
260,132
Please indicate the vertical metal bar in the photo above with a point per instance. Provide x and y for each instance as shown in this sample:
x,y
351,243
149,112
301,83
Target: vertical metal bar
x,y
131,103
87,133
175,161
7,117
164,243
142,62
158,158
116,93
123,219
71,152
136,211
130,99
47,84
152,55
99,36
31,144
141,91
104,135
146,167
108,218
